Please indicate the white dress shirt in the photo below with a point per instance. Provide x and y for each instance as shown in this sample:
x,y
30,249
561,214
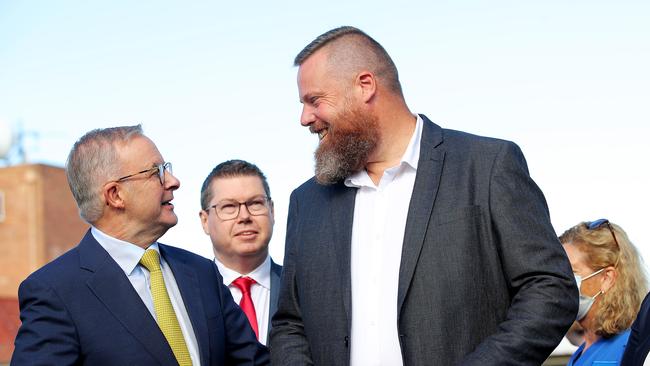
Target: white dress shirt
x,y
377,235
260,292
128,256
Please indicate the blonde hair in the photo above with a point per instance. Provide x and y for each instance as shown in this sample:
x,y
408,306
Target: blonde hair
x,y
619,306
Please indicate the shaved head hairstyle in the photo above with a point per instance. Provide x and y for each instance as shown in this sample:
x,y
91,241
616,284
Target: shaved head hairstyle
x,y
350,51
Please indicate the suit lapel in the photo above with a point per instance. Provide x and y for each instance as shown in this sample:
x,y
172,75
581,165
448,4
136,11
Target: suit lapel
x,y
112,287
342,215
188,285
427,180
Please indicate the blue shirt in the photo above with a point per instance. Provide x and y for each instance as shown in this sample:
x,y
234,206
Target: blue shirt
x,y
606,351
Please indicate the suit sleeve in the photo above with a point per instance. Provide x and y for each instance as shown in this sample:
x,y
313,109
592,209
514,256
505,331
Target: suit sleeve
x,y
242,347
544,297
47,335
288,342
635,353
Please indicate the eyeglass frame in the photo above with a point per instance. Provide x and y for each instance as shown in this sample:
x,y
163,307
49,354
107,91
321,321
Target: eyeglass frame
x,y
597,224
267,201
162,167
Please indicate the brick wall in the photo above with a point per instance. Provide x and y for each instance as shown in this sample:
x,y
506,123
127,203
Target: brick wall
x,y
38,222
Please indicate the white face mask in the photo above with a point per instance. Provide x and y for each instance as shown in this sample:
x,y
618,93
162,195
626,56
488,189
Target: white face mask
x,y
585,301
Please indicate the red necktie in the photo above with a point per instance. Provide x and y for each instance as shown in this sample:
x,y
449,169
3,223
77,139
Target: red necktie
x,y
246,303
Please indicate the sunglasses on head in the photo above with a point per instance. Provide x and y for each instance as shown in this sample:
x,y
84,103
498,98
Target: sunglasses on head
x,y
597,224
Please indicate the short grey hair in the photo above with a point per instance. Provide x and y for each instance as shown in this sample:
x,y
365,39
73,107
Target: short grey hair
x,y
349,50
92,162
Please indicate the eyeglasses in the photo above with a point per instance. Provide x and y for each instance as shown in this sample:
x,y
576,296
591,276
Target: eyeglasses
x,y
594,225
229,209
161,168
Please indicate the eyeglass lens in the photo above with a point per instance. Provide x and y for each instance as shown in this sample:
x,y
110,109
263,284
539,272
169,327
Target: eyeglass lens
x,y
229,210
161,171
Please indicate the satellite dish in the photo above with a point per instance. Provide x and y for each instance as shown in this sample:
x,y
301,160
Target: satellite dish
x,y
6,138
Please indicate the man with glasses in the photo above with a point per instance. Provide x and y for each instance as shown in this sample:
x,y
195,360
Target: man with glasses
x,y
120,297
237,214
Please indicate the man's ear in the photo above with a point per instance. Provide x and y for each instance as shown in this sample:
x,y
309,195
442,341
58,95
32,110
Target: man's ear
x,y
203,215
367,84
113,195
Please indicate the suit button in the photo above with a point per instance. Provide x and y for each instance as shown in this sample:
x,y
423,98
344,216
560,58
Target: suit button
x,y
346,341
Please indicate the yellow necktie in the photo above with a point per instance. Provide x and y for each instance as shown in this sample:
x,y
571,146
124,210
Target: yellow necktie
x,y
165,314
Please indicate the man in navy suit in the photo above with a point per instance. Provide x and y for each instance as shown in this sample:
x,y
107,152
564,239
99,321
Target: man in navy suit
x,y
237,214
97,305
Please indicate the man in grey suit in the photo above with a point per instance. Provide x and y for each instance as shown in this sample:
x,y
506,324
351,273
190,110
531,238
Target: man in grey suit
x,y
413,244
237,214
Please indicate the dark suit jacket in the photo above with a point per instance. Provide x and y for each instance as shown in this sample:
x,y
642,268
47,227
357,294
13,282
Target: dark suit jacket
x,y
81,309
638,344
483,279
276,272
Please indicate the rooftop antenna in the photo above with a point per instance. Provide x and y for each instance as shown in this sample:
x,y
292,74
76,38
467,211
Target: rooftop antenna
x,y
7,140
12,143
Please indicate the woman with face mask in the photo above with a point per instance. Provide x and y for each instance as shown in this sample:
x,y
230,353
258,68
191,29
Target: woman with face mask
x,y
612,285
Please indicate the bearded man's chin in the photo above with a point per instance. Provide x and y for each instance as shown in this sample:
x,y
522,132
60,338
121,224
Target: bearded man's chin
x,y
337,161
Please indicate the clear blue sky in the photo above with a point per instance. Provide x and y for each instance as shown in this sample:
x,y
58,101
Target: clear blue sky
x,y
567,80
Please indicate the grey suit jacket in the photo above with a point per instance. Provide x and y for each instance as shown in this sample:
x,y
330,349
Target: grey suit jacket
x,y
483,279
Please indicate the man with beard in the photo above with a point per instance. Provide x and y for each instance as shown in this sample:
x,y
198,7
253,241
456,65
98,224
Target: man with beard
x,y
413,244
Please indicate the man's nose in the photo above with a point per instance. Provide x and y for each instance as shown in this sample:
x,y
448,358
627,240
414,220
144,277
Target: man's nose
x,y
171,182
307,116
243,214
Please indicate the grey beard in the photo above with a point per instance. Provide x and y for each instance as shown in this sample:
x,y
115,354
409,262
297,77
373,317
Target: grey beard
x,y
344,158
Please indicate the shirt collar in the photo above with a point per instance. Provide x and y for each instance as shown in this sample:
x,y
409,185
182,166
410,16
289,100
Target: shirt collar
x,y
261,274
126,255
410,158
412,154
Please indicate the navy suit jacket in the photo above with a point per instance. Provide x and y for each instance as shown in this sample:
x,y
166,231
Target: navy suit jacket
x,y
81,309
638,344
276,273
